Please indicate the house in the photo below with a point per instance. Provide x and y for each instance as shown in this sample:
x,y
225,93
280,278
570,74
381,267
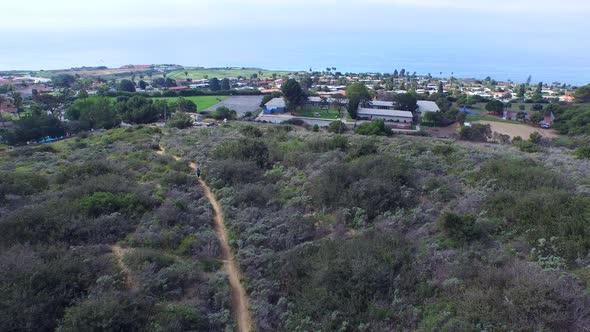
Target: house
x,y
549,118
324,103
275,105
381,105
393,118
425,106
271,90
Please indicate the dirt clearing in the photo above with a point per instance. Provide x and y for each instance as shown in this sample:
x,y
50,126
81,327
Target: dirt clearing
x,y
521,130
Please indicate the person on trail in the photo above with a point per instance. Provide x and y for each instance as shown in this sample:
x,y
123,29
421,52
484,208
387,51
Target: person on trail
x,y
198,171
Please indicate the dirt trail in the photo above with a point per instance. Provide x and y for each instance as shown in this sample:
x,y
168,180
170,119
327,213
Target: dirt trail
x,y
130,282
239,299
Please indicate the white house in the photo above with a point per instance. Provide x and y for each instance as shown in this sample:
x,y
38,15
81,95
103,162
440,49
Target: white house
x,y
403,119
425,106
380,104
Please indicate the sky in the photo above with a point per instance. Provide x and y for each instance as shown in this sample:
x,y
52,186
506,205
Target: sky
x,y
547,38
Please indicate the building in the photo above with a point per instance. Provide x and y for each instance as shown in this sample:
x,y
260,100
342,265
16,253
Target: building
x,y
393,118
381,105
325,103
275,105
425,106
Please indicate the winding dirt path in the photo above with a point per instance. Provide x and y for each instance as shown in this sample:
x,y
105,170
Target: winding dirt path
x,y
239,299
130,282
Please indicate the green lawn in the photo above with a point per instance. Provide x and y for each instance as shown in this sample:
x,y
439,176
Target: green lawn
x,y
323,114
197,74
480,108
473,118
203,102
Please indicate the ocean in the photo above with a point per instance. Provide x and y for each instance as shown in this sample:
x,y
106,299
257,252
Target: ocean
x,y
460,54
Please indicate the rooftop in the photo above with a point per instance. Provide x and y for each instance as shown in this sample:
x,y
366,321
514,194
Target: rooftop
x,y
275,103
377,112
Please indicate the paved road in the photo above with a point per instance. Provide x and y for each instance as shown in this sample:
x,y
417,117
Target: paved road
x,y
240,104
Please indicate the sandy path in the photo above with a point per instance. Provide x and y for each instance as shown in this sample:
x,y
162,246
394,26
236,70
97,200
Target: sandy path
x,y
521,130
130,282
239,299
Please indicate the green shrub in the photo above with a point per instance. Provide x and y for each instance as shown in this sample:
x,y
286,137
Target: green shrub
x,y
443,149
375,183
251,131
223,112
583,152
315,128
180,120
376,128
100,203
362,148
21,183
461,229
110,312
336,142
521,175
527,146
337,127
347,277
138,258
177,317
244,149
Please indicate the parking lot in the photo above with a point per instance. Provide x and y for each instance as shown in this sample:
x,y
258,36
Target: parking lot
x,y
240,104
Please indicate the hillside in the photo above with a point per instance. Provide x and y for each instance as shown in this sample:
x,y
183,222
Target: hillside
x,y
331,232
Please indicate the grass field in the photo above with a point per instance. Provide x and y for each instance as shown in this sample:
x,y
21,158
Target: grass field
x,y
323,114
472,118
203,102
197,74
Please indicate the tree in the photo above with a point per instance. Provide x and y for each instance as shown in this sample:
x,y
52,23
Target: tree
x,y
536,117
82,94
139,109
538,92
395,74
34,127
127,85
443,103
582,94
495,106
17,100
169,82
142,84
225,84
93,113
185,105
521,91
49,102
357,93
63,80
477,132
294,95
440,88
338,103
406,101
222,113
214,84
307,82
